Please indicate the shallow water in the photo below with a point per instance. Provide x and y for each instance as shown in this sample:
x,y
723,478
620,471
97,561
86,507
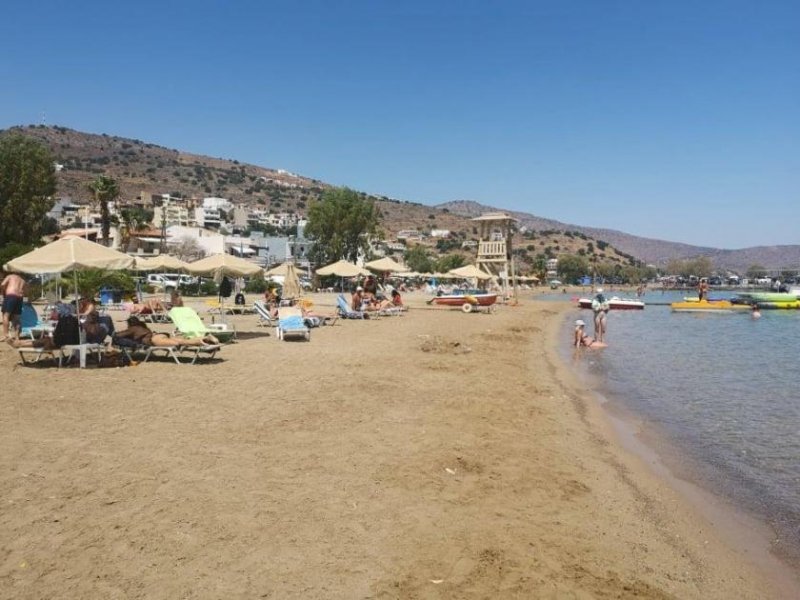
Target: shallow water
x,y
724,388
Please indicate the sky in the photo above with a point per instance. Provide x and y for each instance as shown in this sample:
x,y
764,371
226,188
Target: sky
x,y
673,120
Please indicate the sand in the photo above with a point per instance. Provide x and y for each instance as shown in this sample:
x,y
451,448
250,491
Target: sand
x,y
433,455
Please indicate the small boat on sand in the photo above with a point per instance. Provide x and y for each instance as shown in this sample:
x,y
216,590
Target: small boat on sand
x,y
468,300
615,303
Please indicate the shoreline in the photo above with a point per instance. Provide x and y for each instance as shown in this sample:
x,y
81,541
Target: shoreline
x,y
646,446
435,454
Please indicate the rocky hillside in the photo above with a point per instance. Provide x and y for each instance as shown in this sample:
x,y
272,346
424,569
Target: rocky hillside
x,y
143,167
651,251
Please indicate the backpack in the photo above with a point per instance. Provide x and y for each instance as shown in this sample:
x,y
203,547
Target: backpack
x,y
67,331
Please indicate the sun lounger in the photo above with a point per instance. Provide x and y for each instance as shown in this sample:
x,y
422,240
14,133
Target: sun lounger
x,y
30,324
291,324
30,356
264,318
346,312
188,323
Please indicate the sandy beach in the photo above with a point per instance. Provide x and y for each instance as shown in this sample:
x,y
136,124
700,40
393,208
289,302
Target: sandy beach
x,y
432,455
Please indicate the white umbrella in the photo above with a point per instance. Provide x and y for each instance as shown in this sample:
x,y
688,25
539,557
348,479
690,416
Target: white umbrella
x,y
291,282
469,272
162,261
386,265
342,268
70,254
281,270
219,265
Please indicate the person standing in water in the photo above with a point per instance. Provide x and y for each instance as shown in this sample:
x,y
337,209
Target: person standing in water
x,y
600,308
702,290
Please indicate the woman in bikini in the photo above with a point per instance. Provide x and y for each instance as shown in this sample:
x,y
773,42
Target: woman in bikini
x,y
142,334
581,339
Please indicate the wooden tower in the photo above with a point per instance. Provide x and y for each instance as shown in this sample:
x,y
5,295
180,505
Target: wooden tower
x,y
495,231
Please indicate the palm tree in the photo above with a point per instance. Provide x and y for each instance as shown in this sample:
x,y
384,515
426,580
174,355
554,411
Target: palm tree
x,y
105,189
131,220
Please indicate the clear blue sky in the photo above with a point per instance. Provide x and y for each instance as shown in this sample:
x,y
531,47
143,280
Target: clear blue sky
x,y
675,120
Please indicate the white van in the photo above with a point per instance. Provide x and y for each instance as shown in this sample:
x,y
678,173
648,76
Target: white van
x,y
169,280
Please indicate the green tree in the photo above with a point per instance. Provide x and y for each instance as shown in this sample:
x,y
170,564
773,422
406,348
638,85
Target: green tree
x,y
572,267
105,190
27,182
340,224
132,219
756,271
539,266
418,260
451,261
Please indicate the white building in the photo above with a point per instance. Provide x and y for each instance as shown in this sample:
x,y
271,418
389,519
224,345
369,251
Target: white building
x,y
210,241
440,233
409,234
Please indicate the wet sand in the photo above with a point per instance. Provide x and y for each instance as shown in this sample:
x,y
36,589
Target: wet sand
x,y
433,455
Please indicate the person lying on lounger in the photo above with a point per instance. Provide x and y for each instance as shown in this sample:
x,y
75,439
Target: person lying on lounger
x,y
142,334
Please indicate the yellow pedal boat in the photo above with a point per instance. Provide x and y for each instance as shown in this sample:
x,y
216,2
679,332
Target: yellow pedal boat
x,y
707,306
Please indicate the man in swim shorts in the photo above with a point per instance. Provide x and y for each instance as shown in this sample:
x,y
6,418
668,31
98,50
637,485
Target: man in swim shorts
x,y
13,290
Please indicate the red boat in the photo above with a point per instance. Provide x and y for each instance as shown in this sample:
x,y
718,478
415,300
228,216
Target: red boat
x,y
615,303
468,300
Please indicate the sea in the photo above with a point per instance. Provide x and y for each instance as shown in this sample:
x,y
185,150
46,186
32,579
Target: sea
x,y
723,392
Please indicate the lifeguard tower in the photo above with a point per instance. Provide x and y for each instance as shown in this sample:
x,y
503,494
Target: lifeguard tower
x,y
495,232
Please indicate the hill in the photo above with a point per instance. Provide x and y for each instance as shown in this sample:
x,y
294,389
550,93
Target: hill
x,y
651,251
144,167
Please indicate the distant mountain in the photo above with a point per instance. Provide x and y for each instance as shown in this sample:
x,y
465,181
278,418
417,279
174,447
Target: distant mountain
x,y
651,251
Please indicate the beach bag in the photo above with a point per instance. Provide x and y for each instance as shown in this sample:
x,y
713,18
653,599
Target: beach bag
x,y
67,331
225,288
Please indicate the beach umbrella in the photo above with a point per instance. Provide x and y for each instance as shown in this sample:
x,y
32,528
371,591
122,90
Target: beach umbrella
x,y
220,265
70,254
162,261
291,282
469,272
386,265
224,265
279,271
342,268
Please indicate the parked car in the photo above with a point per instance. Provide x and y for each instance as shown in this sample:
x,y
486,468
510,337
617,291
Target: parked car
x,y
170,280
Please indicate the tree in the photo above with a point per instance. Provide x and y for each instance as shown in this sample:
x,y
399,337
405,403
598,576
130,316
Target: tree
x,y
451,261
418,260
105,190
572,267
340,224
188,249
756,272
132,219
27,182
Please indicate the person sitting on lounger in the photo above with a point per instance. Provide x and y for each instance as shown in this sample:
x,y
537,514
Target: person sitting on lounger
x,y
148,307
142,334
357,301
175,298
